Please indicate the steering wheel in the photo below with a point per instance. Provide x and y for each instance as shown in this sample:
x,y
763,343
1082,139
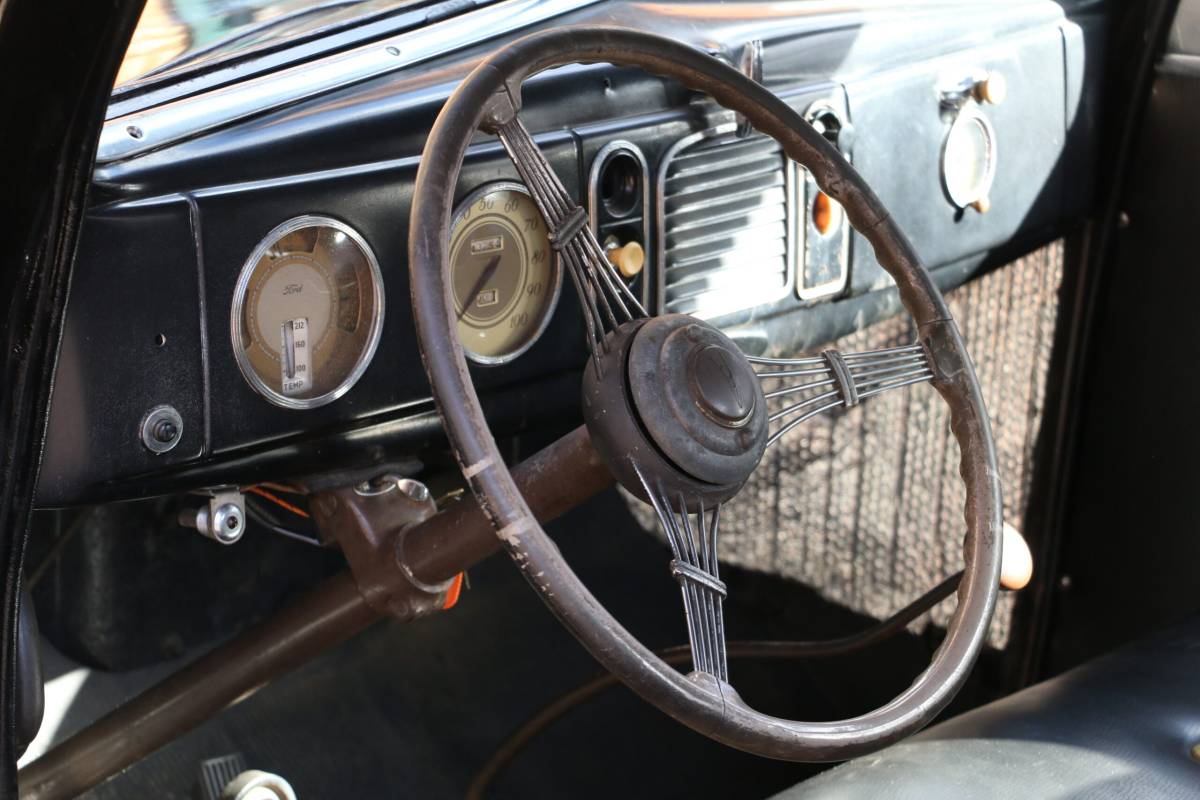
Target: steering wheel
x,y
678,412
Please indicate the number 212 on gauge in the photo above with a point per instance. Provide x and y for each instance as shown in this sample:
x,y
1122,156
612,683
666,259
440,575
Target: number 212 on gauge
x,y
295,363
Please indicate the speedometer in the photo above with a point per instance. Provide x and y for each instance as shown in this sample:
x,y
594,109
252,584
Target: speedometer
x,y
307,312
504,274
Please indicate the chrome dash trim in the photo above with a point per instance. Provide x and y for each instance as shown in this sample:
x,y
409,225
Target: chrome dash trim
x,y
807,235
790,224
134,134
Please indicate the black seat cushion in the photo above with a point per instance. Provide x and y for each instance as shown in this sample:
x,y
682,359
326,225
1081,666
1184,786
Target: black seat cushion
x,y
1122,726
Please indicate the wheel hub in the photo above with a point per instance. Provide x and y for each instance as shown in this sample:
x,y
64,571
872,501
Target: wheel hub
x,y
676,397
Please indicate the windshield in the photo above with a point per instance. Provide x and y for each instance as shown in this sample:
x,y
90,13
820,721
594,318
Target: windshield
x,y
182,35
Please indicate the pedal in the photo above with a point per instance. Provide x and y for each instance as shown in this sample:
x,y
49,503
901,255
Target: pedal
x,y
227,778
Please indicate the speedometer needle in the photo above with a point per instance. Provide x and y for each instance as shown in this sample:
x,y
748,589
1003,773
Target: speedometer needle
x,y
487,273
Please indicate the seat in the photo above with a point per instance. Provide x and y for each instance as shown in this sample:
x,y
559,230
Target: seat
x,y
1122,726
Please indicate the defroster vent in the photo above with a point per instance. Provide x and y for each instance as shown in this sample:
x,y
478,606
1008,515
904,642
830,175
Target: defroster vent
x,y
725,216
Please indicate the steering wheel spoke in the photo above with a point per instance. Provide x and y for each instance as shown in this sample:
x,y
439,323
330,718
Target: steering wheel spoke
x,y
694,566
814,385
607,302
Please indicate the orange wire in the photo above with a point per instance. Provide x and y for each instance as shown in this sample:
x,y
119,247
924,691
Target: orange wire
x,y
279,501
280,487
453,592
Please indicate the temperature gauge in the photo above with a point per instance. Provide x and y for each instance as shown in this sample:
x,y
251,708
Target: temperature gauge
x,y
296,365
307,312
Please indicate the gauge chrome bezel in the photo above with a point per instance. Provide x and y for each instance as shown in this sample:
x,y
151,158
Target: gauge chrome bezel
x,y
239,298
556,265
970,114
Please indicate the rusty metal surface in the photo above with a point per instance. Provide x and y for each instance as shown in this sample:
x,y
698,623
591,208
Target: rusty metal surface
x,y
369,520
553,481
865,504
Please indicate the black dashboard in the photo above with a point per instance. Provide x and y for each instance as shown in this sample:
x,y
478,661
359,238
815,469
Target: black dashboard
x,y
172,225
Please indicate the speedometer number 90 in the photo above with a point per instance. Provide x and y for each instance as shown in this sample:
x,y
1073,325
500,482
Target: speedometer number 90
x,y
504,275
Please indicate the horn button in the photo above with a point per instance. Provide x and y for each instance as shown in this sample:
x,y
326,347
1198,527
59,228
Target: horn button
x,y
698,398
695,400
722,389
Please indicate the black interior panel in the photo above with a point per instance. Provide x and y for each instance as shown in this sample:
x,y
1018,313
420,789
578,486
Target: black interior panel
x,y
1129,546
187,216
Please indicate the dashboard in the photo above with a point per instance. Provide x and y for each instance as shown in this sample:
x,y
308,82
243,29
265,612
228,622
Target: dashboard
x,y
239,309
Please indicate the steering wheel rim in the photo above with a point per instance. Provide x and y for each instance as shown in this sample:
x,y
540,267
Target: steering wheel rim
x,y
699,701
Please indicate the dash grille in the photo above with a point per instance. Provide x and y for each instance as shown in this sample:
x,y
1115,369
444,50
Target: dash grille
x,y
725,216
